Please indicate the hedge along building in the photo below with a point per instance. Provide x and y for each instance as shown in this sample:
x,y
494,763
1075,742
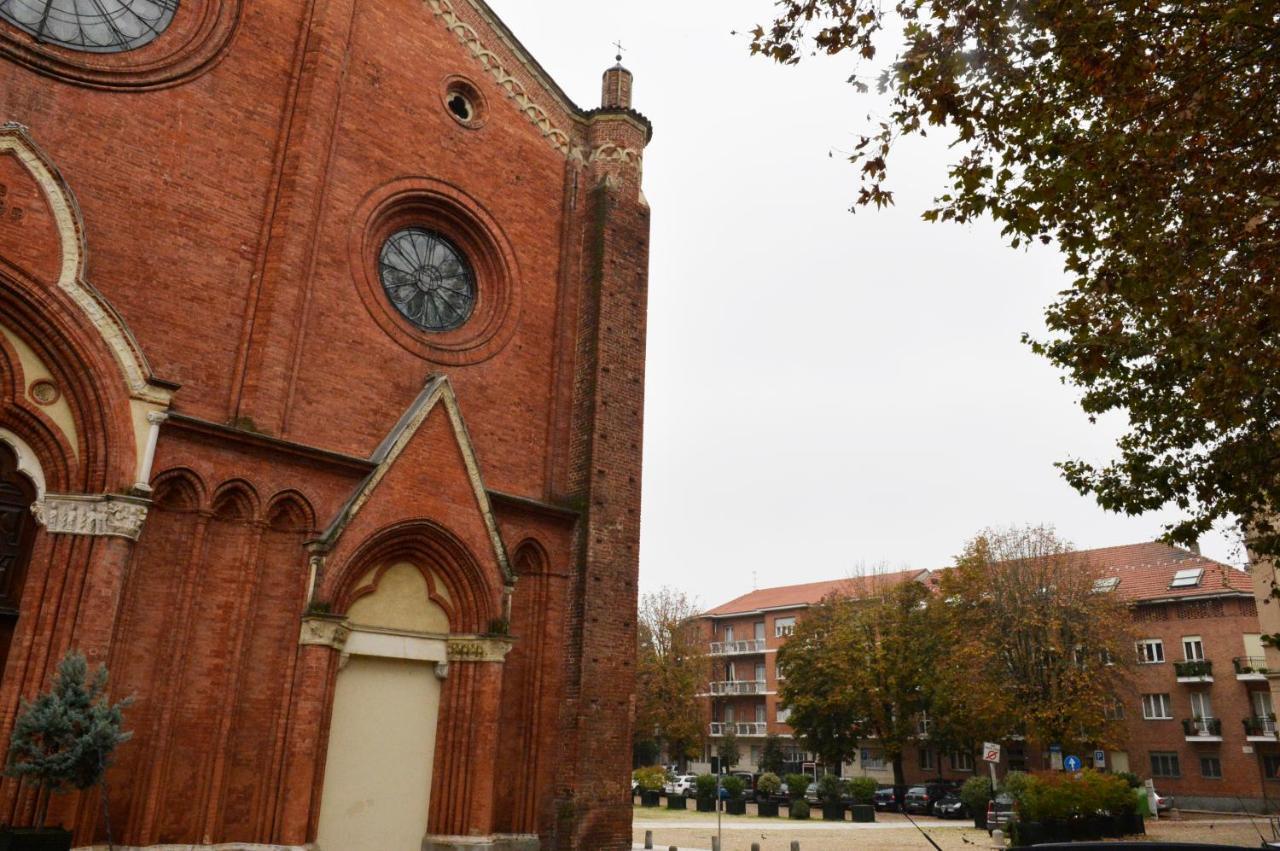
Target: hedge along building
x,y
1198,718
321,373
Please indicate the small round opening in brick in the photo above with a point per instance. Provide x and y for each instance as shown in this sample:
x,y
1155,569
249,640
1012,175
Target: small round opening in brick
x,y
461,107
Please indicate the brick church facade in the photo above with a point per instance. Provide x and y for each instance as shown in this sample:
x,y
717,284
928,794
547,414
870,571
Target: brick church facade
x,y
322,333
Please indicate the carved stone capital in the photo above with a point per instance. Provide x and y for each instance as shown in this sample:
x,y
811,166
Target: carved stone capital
x,y
109,515
478,648
325,631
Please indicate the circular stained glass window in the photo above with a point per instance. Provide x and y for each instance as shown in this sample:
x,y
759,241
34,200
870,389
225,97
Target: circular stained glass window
x,y
427,279
95,26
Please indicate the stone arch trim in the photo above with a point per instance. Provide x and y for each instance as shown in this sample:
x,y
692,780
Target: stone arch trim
x,y
530,558
116,336
470,600
290,511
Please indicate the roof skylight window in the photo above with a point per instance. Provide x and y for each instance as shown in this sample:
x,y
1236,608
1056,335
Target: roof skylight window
x,y
1188,578
1102,586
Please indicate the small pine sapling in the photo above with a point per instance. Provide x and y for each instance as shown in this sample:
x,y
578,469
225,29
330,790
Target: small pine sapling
x,y
65,737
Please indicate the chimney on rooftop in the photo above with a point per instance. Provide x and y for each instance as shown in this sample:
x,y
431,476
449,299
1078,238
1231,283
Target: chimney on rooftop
x,y
1195,546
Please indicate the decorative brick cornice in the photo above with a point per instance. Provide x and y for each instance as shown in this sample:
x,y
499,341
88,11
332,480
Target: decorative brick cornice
x,y
470,39
109,515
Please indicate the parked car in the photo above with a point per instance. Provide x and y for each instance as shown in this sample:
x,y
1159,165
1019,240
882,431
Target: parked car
x,y
1163,802
811,793
920,799
950,806
1001,813
682,785
885,800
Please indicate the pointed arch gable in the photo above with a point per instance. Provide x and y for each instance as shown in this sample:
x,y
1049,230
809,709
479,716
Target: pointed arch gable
x,y
438,393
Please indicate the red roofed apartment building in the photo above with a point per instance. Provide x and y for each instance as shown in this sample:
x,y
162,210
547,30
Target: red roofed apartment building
x,y
322,341
1199,657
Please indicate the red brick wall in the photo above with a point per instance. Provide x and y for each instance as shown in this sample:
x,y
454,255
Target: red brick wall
x,y
228,202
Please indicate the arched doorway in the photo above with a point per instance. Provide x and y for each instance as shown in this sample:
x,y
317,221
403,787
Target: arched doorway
x,y
386,704
17,529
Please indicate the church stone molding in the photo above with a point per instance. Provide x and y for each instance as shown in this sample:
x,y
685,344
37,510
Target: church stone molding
x,y
478,648
499,842
109,515
325,631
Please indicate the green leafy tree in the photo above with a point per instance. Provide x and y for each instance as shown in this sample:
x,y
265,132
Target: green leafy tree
x,y
671,668
773,758
855,668
64,739
1141,139
727,750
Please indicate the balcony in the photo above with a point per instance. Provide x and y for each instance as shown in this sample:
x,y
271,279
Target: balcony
x,y
1194,671
1260,729
747,729
1202,729
1250,668
737,648
738,687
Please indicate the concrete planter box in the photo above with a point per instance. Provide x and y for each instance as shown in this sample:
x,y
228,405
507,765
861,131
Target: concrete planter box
x,y
736,808
863,813
706,805
767,809
833,812
677,802
649,799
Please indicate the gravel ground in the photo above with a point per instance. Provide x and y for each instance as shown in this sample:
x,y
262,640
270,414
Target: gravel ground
x,y
692,831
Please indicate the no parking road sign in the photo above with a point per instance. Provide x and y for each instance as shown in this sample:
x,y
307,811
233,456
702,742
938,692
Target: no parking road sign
x,y
990,752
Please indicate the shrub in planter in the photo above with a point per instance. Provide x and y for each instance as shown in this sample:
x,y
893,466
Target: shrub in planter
x,y
796,786
799,809
831,793
767,786
63,741
705,791
975,794
735,786
862,789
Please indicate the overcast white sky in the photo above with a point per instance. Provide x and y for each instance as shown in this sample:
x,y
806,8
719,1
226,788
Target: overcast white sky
x,y
825,390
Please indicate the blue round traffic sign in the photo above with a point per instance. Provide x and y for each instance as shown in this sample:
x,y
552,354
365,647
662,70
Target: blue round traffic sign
x,y
1071,763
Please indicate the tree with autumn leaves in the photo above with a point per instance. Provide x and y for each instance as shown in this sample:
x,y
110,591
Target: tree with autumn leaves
x,y
671,669
1013,641
1140,138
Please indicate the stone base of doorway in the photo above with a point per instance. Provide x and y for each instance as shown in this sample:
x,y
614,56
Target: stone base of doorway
x,y
502,842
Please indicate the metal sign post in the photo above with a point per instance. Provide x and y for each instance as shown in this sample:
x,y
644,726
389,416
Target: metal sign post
x,y
991,756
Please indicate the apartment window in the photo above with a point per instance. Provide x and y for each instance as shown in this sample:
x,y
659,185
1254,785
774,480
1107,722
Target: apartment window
x,y
759,672
1210,766
873,760
961,761
783,627
1165,765
783,715
728,714
1201,706
927,762
728,632
755,754
1192,648
759,630
761,718
1150,651
1114,710
1271,766
1156,707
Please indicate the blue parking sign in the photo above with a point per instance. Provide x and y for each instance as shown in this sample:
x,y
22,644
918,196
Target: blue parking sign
x,y
1071,763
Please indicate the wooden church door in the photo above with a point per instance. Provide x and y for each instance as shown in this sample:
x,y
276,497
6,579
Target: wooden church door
x,y
17,529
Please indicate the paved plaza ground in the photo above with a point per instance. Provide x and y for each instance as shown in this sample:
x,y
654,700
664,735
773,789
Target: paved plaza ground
x,y
692,831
